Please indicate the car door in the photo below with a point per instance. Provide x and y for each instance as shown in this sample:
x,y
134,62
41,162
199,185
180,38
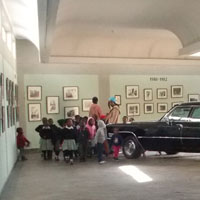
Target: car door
x,y
172,131
191,131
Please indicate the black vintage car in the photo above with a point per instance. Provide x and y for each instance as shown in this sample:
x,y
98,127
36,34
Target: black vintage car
x,y
177,131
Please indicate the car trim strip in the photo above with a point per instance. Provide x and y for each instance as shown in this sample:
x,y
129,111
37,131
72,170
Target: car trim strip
x,y
166,137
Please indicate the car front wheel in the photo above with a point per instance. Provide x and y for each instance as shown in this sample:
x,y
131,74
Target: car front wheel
x,y
131,148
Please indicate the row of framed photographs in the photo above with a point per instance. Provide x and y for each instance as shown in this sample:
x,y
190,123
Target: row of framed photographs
x,y
132,92
12,117
34,93
191,97
52,103
11,91
133,109
34,111
53,107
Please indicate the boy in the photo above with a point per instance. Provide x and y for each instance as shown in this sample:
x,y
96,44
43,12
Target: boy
x,y
116,141
21,143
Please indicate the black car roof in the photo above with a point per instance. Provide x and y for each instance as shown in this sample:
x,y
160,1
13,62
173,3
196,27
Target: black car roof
x,y
190,104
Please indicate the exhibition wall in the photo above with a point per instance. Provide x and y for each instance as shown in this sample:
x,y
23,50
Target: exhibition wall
x,y
52,85
8,77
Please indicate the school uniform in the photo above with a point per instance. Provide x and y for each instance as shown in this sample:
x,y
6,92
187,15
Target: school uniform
x,y
83,136
46,144
56,139
69,142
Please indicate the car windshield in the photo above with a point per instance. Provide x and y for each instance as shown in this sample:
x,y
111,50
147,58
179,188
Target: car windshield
x,y
180,112
177,113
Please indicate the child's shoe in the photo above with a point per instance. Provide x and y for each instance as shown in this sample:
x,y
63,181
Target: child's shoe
x,y
102,162
71,162
57,158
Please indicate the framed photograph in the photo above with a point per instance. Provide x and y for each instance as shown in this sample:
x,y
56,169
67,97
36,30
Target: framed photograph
x,y
34,93
148,94
7,89
34,112
70,93
2,85
148,108
193,97
118,99
52,105
17,114
71,111
177,91
161,93
162,107
3,119
8,117
176,103
133,109
16,94
86,103
132,91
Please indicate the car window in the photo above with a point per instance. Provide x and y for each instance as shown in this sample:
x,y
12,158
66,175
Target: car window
x,y
180,112
196,113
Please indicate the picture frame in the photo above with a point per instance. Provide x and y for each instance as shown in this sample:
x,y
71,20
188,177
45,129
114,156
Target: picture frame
x,y
34,93
34,112
162,93
7,89
148,108
52,103
133,109
193,97
86,103
8,117
70,93
71,111
162,107
2,85
118,99
132,91
177,91
176,103
148,94
3,119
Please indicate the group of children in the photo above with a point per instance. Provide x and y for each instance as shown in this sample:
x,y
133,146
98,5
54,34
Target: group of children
x,y
82,137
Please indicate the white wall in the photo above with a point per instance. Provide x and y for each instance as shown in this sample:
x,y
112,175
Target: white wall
x,y
8,151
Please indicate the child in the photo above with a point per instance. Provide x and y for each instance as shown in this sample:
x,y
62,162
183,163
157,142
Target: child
x,y
100,138
69,141
46,134
21,143
116,141
83,136
92,131
56,138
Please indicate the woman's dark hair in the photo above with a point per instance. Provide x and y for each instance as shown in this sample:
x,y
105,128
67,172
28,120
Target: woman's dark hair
x,y
95,100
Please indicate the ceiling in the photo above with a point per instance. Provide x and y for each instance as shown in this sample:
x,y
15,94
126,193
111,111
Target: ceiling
x,y
71,29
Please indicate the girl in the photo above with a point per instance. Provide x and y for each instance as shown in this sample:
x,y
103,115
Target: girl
x,y
92,131
83,136
21,143
116,141
100,138
69,141
46,134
